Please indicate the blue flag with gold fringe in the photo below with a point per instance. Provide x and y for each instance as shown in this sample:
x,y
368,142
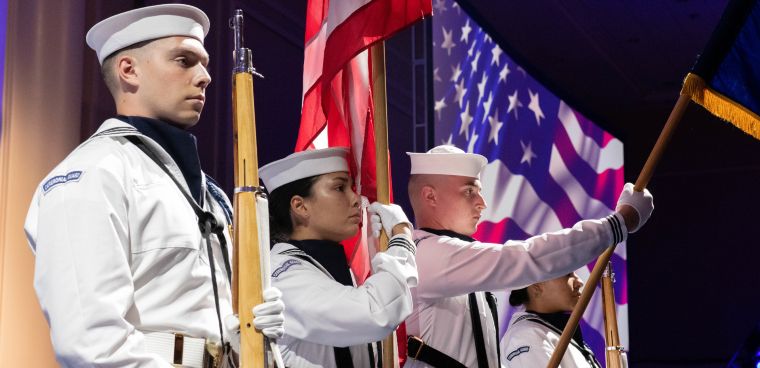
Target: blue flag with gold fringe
x,y
726,78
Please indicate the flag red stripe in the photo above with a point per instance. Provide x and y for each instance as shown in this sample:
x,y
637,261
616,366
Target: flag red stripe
x,y
375,21
316,12
312,118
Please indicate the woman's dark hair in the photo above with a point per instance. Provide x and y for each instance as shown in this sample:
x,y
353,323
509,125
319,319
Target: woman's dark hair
x,y
518,297
280,225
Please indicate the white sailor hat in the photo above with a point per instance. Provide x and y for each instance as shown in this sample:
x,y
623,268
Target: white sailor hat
x,y
143,24
447,160
303,164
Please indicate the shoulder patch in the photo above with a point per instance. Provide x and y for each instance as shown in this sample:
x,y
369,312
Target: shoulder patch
x,y
417,241
61,179
518,351
284,267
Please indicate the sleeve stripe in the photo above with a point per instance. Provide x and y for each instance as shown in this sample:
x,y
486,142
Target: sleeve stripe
x,y
617,231
401,241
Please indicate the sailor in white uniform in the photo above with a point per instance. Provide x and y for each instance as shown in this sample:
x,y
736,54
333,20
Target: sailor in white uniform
x,y
533,333
130,236
329,320
453,323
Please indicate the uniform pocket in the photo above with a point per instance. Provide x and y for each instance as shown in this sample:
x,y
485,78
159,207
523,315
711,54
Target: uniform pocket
x,y
161,218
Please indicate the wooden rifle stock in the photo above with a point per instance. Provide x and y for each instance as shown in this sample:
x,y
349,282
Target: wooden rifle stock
x,y
248,279
614,351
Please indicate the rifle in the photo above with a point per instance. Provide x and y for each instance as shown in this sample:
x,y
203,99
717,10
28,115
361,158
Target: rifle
x,y
251,219
614,353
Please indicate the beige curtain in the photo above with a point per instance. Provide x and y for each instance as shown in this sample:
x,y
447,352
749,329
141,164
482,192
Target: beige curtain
x,y
41,125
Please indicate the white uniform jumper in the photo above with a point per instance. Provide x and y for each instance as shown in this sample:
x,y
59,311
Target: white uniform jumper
x,y
323,311
451,266
119,253
531,340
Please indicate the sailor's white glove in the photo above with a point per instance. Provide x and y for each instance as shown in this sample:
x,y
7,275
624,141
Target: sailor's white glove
x,y
386,217
641,202
232,331
268,318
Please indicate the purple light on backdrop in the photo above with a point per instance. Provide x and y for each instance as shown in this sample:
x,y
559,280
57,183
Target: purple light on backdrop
x,y
549,166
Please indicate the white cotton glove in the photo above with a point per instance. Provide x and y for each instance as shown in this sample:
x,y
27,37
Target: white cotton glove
x,y
232,332
641,202
268,316
386,217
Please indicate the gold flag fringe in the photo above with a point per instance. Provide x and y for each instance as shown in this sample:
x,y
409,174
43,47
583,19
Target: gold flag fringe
x,y
721,106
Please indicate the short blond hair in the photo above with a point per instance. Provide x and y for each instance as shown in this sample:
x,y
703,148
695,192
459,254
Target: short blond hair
x,y
107,69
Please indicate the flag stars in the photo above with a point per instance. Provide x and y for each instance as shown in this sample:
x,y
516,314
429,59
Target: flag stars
x,y
495,127
535,106
466,121
449,141
448,42
474,63
504,73
471,50
487,104
514,103
495,53
528,154
440,5
466,32
482,86
460,92
471,145
440,105
436,76
456,72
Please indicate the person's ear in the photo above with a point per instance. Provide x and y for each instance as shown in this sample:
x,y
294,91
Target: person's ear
x,y
299,208
429,195
127,71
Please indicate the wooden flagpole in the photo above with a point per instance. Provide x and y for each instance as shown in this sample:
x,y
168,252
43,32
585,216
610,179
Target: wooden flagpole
x,y
377,51
601,263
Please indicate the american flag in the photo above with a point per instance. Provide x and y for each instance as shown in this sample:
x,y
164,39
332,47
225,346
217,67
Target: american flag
x,y
549,166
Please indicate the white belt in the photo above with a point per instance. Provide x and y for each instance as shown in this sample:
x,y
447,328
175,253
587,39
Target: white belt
x,y
175,348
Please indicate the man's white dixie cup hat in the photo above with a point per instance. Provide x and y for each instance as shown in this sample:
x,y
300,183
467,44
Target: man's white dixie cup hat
x,y
447,160
143,24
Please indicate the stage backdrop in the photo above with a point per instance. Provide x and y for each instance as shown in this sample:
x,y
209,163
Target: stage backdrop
x,y
548,165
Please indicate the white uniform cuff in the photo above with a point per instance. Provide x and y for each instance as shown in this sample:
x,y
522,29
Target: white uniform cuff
x,y
617,227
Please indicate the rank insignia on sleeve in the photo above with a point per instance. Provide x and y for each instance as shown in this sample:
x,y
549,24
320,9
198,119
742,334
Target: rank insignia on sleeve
x,y
61,179
284,267
518,351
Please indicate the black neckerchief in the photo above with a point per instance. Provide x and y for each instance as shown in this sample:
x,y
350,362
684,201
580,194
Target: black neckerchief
x,y
180,144
559,320
448,233
330,255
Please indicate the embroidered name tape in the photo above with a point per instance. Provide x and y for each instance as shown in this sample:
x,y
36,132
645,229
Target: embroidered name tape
x,y
284,267
61,179
518,351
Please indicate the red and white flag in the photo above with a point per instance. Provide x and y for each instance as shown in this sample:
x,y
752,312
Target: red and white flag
x,y
337,91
